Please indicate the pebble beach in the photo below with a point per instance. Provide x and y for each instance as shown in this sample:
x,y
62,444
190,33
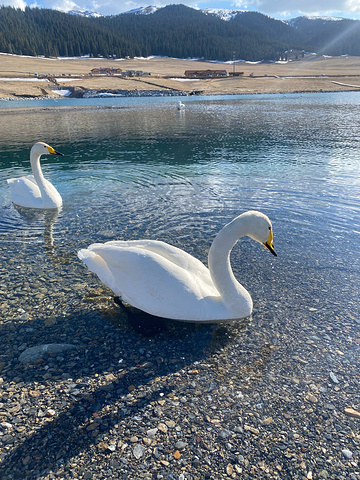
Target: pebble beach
x,y
103,395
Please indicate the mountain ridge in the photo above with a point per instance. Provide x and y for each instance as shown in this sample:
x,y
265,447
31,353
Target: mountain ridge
x,y
176,31
225,14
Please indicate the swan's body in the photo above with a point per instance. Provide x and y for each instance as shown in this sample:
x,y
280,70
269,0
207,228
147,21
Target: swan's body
x,y
180,106
167,282
34,191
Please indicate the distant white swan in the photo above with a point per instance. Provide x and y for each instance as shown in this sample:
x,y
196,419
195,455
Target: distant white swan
x,y
180,106
35,191
167,282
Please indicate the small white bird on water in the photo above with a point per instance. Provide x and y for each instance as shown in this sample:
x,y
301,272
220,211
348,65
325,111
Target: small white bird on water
x,y
180,105
34,191
165,281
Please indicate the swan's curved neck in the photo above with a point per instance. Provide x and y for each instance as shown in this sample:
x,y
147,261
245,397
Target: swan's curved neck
x,y
219,261
36,169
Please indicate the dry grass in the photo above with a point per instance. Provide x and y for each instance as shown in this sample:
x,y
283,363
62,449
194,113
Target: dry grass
x,y
309,75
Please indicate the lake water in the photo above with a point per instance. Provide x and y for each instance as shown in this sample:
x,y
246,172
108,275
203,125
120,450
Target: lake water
x,y
138,168
267,394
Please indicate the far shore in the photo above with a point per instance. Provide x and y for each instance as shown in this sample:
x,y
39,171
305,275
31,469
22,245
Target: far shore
x,y
38,77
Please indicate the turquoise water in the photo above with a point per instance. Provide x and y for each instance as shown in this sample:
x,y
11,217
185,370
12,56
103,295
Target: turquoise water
x,y
138,168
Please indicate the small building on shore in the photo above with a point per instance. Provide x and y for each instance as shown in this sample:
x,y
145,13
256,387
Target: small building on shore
x,y
105,71
205,73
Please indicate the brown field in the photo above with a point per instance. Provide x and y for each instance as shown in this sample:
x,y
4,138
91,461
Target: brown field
x,y
306,75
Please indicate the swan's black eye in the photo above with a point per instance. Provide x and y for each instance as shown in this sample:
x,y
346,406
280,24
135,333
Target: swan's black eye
x,y
269,228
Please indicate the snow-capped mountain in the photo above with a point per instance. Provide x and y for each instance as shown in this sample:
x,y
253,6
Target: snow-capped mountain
x,y
144,10
222,13
295,22
85,13
255,35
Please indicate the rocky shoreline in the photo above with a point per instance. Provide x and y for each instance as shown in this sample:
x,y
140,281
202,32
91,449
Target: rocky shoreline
x,y
108,93
127,93
103,93
107,397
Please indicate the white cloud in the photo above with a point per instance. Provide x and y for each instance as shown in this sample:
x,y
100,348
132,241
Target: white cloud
x,y
63,5
310,7
353,5
16,4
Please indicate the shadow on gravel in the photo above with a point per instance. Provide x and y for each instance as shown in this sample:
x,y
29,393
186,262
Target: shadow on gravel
x,y
127,351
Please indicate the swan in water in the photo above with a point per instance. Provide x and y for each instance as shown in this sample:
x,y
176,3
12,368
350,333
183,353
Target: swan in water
x,y
34,191
180,105
167,282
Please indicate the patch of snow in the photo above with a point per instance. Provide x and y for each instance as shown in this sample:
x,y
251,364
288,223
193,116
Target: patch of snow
x,y
66,79
63,93
6,79
185,79
84,13
223,13
328,19
144,10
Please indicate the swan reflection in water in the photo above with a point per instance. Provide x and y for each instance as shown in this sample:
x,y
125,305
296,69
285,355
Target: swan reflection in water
x,y
36,222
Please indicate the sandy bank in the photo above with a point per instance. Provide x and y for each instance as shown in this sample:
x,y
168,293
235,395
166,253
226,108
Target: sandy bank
x,y
18,79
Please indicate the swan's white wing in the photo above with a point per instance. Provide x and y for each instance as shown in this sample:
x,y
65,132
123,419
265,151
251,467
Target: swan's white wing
x,y
51,197
169,252
153,283
24,191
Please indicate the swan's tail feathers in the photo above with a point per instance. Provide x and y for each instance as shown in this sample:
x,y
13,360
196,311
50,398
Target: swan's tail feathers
x,y
92,260
97,265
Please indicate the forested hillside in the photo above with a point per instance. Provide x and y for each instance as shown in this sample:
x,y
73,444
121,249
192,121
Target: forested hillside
x,y
330,37
174,31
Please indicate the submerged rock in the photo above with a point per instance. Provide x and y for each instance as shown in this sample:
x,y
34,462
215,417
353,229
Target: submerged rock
x,y
347,453
34,353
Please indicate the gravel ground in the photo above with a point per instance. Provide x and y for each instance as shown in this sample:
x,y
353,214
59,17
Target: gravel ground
x,y
89,391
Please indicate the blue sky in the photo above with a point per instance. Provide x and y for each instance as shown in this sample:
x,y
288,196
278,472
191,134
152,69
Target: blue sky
x,y
281,9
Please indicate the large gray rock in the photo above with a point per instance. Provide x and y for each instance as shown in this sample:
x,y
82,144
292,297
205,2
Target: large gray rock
x,y
34,353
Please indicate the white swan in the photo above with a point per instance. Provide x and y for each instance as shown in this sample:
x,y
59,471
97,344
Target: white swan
x,y
180,105
167,282
35,191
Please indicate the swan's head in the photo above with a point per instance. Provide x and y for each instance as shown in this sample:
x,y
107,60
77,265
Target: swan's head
x,y
260,229
41,148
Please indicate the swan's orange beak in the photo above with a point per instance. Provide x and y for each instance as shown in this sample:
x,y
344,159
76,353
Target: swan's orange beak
x,y
269,244
54,152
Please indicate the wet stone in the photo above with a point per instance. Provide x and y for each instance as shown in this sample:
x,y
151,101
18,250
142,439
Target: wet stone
x,y
32,354
152,432
138,451
180,445
347,453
